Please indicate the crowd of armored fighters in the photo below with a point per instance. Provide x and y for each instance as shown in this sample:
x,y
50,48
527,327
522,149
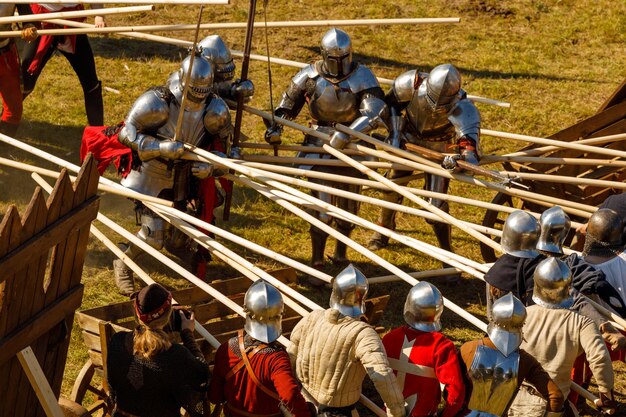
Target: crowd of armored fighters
x,y
544,327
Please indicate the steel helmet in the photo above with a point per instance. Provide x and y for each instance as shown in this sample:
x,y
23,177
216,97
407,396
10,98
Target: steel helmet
x,y
423,307
263,305
349,290
506,320
336,50
552,284
520,234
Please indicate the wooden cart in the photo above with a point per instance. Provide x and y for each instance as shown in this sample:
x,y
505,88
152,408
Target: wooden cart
x,y
100,323
609,120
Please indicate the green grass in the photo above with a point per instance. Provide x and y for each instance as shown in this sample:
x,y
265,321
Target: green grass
x,y
556,62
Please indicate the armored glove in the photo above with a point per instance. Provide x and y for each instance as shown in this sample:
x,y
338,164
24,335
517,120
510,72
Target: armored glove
x,y
171,150
449,162
29,33
273,133
467,148
606,403
339,140
201,170
243,89
149,148
612,336
235,153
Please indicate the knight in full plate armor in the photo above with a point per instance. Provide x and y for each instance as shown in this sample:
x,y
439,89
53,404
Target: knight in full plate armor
x,y
425,361
336,90
224,85
496,366
149,129
430,110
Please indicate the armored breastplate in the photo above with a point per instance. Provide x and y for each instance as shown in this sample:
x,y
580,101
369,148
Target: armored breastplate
x,y
192,131
425,123
6,9
494,379
333,102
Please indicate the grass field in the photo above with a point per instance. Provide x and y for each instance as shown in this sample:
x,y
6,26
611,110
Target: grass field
x,y
554,61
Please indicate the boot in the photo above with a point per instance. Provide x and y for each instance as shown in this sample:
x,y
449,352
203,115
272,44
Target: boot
x,y
386,219
443,232
94,106
341,248
318,243
124,278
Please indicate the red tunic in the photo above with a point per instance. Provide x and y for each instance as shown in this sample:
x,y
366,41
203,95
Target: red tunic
x,y
273,369
438,356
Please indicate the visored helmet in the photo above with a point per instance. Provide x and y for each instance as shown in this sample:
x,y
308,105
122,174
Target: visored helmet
x,y
216,51
423,307
520,234
555,224
349,290
264,306
552,284
200,80
506,320
336,50
442,86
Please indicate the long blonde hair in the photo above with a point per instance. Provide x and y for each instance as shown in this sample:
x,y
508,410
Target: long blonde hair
x,y
150,339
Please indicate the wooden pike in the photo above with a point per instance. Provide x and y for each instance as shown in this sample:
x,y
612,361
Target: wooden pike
x,y
519,160
287,160
74,14
593,141
169,2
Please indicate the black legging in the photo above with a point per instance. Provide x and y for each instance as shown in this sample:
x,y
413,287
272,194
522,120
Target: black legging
x,y
84,66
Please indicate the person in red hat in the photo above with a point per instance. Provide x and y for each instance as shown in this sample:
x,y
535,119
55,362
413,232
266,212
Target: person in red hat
x,y
148,374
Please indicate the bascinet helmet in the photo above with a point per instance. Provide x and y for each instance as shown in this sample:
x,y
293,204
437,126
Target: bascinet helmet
x,y
349,291
216,51
555,225
423,307
263,305
336,50
442,86
520,234
507,318
605,226
552,284
200,80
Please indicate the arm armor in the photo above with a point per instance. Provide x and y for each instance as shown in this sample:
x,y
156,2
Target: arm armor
x,y
466,120
294,98
374,114
403,88
217,118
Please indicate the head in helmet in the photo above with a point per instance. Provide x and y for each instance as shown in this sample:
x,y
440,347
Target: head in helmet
x,y
555,225
200,80
349,291
506,320
336,50
216,51
520,234
552,284
263,305
442,87
604,233
423,307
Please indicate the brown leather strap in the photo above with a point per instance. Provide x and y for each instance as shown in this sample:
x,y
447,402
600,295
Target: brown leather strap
x,y
241,363
244,355
244,413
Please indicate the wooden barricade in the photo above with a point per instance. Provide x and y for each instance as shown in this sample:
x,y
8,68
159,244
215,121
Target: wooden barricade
x,y
41,263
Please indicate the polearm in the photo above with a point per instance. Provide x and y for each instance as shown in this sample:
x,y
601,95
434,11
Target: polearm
x,y
75,14
466,166
168,2
239,112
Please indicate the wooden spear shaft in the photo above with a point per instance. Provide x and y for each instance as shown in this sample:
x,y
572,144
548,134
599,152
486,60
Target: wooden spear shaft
x,y
75,14
553,142
491,159
286,160
566,180
169,2
593,141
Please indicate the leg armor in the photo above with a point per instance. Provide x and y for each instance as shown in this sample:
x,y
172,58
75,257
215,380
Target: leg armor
x,y
345,227
318,236
387,216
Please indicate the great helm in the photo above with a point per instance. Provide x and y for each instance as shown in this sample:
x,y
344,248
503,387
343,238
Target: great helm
x,y
507,318
555,225
552,284
349,290
605,226
520,234
200,80
216,51
442,86
336,50
263,305
423,307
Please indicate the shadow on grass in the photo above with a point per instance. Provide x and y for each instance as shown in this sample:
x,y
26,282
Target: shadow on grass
x,y
135,49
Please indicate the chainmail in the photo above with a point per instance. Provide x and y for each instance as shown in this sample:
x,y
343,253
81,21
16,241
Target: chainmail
x,y
250,343
595,247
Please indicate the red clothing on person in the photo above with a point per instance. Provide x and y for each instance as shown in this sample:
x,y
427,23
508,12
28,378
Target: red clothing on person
x,y
10,91
438,357
272,368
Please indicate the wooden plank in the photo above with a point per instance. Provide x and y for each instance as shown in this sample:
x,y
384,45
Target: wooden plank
x,y
95,358
613,129
618,95
40,323
106,333
91,340
39,383
588,126
40,243
83,380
